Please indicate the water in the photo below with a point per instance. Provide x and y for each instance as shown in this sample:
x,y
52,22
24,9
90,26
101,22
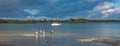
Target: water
x,y
65,35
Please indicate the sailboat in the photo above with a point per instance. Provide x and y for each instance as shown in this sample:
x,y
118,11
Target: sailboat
x,y
55,23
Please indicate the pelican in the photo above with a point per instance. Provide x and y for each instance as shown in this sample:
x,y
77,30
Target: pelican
x,y
36,33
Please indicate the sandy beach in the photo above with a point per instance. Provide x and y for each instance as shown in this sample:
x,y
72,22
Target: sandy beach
x,y
105,41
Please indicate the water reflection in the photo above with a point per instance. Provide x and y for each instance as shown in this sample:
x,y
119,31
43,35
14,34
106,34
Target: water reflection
x,y
44,40
40,39
61,34
36,40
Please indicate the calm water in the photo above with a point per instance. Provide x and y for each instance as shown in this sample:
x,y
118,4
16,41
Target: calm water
x,y
65,34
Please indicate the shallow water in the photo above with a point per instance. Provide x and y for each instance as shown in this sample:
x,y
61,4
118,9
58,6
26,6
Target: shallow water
x,y
65,35
51,40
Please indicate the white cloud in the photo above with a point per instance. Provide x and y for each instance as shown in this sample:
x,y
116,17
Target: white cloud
x,y
37,17
32,12
106,9
48,18
10,18
104,6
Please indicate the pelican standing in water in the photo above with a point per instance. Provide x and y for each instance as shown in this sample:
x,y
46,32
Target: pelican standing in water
x,y
43,33
40,32
36,33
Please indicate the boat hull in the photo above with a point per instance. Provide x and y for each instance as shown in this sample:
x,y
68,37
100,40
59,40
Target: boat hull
x,y
55,24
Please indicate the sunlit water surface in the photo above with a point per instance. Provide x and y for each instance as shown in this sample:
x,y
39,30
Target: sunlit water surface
x,y
64,35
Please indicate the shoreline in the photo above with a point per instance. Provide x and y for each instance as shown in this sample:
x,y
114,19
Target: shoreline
x,y
105,41
110,42
6,37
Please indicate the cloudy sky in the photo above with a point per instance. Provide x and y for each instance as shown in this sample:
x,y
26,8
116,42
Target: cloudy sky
x,y
65,9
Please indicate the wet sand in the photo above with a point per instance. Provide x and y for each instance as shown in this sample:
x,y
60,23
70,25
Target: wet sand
x,y
105,41
7,45
6,37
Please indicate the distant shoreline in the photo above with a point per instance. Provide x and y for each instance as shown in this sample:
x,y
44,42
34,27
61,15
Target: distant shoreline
x,y
2,21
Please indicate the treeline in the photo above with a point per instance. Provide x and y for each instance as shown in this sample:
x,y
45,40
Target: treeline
x,y
61,21
22,21
90,21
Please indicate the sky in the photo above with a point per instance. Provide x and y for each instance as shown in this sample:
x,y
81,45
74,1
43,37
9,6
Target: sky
x,y
63,9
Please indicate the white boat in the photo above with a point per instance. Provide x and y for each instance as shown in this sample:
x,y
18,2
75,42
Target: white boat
x,y
55,24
